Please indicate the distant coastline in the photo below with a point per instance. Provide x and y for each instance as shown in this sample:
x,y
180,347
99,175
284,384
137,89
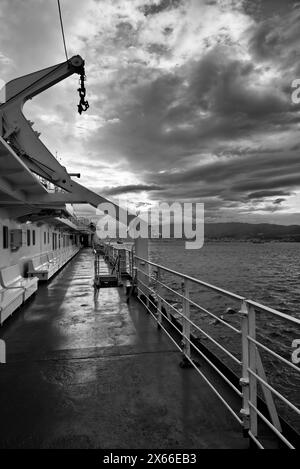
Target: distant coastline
x,y
248,232
243,232
290,239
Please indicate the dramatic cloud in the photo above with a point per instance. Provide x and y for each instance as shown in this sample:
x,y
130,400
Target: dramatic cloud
x,y
131,189
189,99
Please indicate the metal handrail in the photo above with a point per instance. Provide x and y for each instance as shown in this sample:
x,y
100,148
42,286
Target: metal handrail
x,y
252,367
267,309
196,368
276,355
192,303
194,280
256,441
236,360
196,305
271,426
278,394
250,372
236,390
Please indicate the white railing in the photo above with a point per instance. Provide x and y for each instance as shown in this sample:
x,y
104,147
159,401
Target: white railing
x,y
125,255
152,287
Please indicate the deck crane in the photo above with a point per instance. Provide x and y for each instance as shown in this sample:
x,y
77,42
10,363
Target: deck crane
x,y
24,142
18,132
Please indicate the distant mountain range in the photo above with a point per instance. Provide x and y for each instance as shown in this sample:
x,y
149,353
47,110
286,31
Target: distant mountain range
x,y
259,233
248,231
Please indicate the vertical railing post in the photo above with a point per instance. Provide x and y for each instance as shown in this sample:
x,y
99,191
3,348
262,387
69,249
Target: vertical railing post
x,y
118,267
186,326
252,367
159,296
2,351
122,255
131,264
141,250
244,380
127,262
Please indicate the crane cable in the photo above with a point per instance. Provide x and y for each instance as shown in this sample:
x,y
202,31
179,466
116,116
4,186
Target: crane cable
x,y
83,103
62,29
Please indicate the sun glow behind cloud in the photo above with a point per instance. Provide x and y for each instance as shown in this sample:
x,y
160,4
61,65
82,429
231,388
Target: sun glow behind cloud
x,y
189,100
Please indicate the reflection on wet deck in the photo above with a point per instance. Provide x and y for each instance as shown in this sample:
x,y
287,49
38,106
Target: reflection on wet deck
x,y
97,374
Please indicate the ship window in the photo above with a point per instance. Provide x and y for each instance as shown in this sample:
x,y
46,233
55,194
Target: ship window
x,y
48,237
54,241
5,237
33,237
45,237
28,237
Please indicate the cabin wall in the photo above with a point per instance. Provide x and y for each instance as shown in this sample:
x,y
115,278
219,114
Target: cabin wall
x,y
37,239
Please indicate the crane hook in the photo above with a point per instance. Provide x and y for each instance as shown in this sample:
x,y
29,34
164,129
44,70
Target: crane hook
x,y
83,103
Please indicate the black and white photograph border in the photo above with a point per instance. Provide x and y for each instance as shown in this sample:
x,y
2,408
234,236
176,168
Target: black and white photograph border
x,y
149,227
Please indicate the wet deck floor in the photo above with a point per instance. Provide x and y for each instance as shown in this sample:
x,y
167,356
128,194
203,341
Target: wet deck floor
x,y
85,374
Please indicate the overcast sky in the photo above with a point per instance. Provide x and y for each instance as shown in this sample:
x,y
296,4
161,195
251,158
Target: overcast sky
x,y
190,100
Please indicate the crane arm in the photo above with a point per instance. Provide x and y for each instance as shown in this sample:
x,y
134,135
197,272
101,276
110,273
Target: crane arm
x,y
16,129
18,132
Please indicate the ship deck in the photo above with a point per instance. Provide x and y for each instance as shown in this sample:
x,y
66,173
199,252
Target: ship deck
x,y
82,373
